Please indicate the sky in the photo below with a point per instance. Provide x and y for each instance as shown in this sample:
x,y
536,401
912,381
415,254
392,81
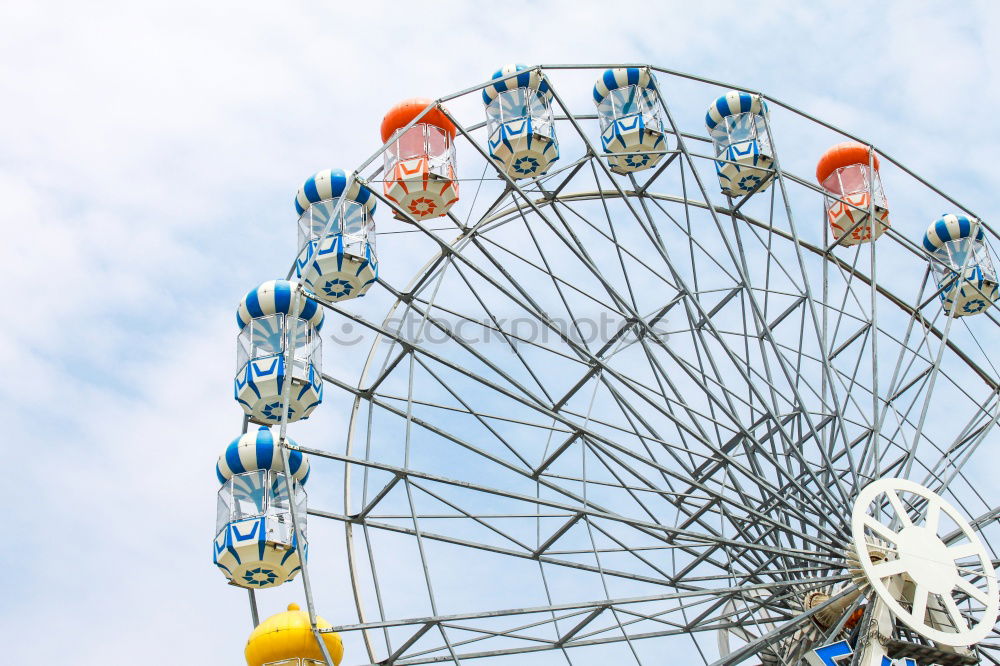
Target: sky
x,y
149,153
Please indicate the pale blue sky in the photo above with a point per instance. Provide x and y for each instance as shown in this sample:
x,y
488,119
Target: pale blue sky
x,y
149,153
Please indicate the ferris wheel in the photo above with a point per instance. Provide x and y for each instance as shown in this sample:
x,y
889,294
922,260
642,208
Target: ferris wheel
x,y
656,395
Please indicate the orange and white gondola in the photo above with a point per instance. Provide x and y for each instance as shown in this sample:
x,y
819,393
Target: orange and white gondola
x,y
849,173
419,162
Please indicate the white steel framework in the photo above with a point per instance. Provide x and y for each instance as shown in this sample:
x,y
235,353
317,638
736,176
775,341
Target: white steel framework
x,y
632,415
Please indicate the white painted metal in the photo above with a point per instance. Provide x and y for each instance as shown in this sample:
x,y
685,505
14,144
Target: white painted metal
x,y
921,562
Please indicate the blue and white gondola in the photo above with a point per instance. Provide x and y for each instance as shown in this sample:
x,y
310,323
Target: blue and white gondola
x,y
957,244
737,125
255,546
266,322
631,119
343,263
522,136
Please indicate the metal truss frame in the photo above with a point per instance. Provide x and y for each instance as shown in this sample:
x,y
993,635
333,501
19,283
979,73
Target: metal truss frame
x,y
731,459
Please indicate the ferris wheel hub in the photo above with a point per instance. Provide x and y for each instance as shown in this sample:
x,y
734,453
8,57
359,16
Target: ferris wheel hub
x,y
926,559
918,580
